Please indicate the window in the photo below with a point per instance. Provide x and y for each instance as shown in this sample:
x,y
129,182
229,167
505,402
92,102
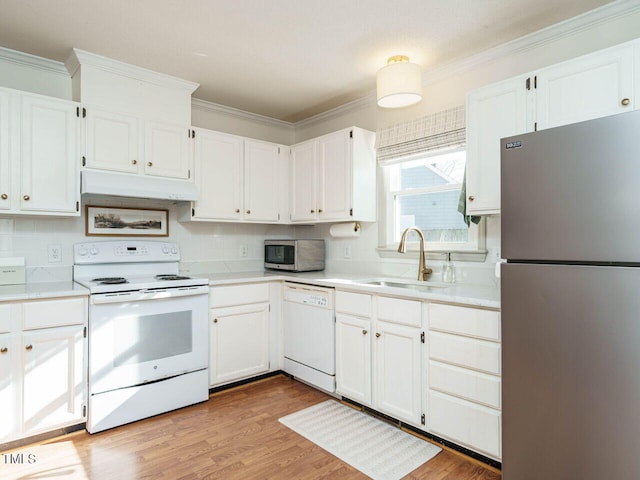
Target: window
x,y
423,191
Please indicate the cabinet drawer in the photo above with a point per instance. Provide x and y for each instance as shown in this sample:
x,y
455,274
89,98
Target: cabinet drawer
x,y
474,322
473,425
226,295
465,352
468,384
54,313
5,318
359,304
398,310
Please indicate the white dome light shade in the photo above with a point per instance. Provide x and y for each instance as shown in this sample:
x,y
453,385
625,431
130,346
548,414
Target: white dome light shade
x,y
399,83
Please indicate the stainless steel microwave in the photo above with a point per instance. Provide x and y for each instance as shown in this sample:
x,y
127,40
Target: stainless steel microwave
x,y
294,255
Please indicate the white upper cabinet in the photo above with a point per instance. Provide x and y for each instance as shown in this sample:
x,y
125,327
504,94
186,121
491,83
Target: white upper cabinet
x,y
588,87
264,181
304,181
167,150
124,143
138,121
333,178
218,172
584,88
39,155
112,141
5,170
493,112
238,179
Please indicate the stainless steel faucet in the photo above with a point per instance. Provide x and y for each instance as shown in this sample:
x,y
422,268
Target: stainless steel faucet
x,y
423,271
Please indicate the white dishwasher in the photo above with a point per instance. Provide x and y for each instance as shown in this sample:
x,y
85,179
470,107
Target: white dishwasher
x,y
309,335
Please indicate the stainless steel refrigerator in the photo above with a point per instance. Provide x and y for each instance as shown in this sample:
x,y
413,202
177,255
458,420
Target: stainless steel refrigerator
x,y
571,301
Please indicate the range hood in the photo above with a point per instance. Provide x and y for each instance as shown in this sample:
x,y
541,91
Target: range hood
x,y
135,186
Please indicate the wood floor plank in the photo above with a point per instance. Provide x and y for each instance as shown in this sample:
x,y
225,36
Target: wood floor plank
x,y
234,435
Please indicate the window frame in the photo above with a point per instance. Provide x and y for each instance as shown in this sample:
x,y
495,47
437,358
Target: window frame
x,y
387,220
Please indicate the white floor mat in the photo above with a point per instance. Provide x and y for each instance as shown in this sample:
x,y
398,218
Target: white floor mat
x,y
379,450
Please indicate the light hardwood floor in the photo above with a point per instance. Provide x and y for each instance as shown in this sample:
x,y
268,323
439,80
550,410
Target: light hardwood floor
x,y
234,435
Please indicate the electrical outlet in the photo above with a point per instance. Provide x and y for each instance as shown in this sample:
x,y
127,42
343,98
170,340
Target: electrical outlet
x,y
55,254
244,250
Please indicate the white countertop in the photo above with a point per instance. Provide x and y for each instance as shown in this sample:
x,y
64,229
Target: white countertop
x,y
487,296
31,291
466,294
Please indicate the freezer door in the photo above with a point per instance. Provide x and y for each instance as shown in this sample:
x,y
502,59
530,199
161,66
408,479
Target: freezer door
x,y
571,193
571,381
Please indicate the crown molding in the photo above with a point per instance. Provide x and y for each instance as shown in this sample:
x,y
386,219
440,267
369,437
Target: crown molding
x,y
79,58
357,104
26,59
537,39
236,112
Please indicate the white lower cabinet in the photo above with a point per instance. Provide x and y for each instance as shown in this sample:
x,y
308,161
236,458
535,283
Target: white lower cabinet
x,y
52,373
464,395
42,365
239,332
378,357
398,366
353,357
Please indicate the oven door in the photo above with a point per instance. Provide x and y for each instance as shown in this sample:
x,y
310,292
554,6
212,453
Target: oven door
x,y
140,337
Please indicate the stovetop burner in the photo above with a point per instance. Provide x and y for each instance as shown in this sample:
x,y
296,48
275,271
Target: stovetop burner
x,y
110,280
171,277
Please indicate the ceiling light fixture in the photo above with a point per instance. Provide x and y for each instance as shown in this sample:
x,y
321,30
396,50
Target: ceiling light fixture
x,y
399,83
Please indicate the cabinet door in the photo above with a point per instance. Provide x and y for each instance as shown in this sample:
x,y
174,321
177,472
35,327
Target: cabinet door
x,y
493,112
49,154
353,358
262,181
592,86
112,141
8,394
5,161
303,181
239,342
335,168
218,166
167,150
398,362
53,380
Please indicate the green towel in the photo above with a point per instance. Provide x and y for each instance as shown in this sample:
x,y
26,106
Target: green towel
x,y
462,203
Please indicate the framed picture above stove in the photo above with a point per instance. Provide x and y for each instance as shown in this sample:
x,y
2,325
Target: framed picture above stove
x,y
126,222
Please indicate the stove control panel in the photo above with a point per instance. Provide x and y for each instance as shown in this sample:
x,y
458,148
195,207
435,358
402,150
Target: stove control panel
x,y
125,251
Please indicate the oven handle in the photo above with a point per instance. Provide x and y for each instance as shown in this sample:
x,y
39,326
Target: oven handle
x,y
152,294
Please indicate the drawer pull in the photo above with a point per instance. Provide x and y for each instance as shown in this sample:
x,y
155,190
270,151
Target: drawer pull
x,y
4,350
471,198
27,198
29,347
625,102
248,212
215,320
149,164
4,196
134,162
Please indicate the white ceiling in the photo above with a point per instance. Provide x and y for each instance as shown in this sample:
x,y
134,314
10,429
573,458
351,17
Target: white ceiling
x,y
286,59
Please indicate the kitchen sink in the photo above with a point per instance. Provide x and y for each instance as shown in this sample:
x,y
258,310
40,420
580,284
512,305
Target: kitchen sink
x,y
409,284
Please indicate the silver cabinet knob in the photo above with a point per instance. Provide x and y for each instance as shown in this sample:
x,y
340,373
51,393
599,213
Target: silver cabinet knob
x,y
364,332
149,164
378,334
215,320
4,196
312,211
625,102
134,162
248,212
471,198
237,210
27,198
